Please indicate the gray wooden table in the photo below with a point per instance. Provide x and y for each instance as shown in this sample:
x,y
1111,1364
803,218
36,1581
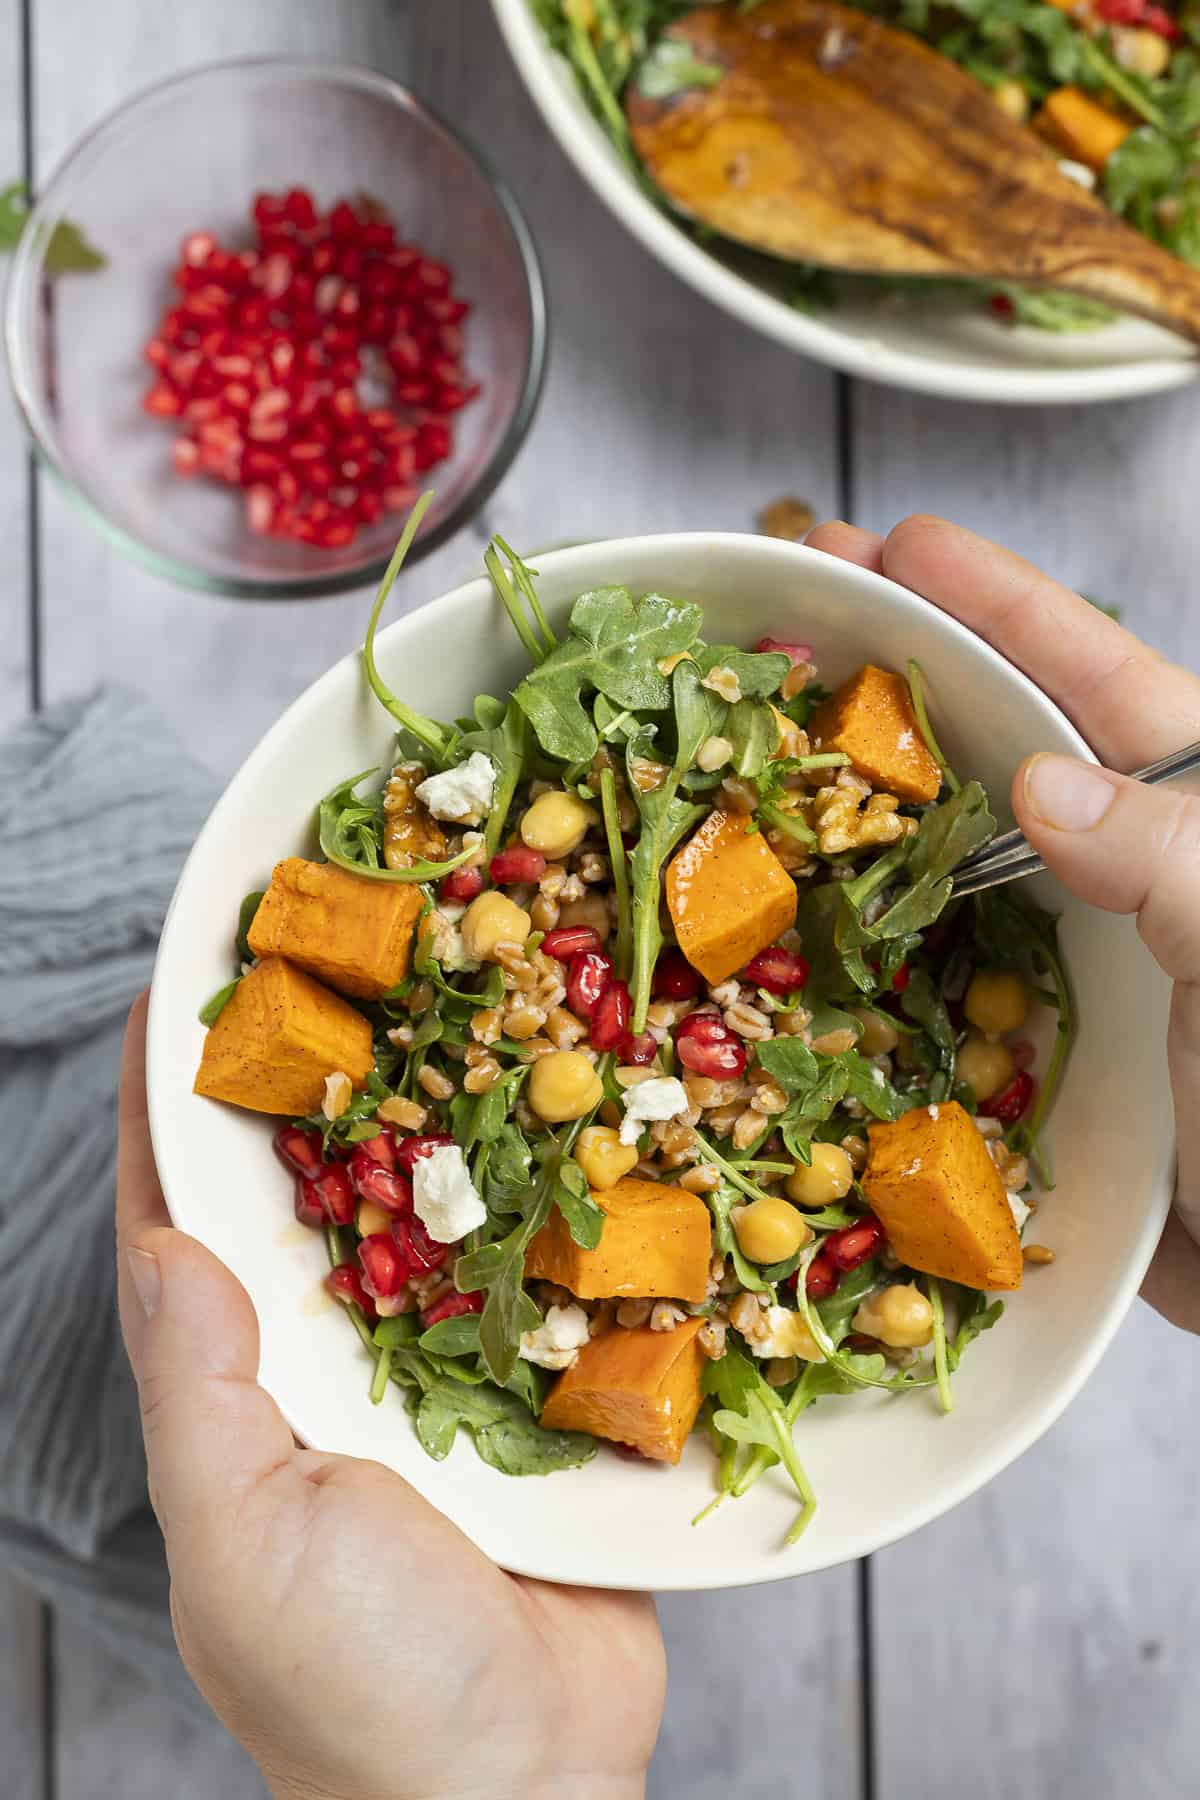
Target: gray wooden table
x,y
1040,1641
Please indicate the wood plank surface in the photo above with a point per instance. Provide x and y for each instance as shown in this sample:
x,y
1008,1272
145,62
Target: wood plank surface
x,y
15,652
21,1692
1037,1641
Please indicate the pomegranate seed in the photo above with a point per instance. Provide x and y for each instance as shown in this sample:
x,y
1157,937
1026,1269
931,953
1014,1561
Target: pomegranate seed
x,y
518,865
368,507
822,1278
846,1249
346,1285
795,653
566,941
343,220
298,207
410,1150
778,970
416,393
333,1191
162,402
434,441
260,509
1002,307
381,1148
419,1252
384,1270
640,1050
588,977
460,884
610,1017
185,456
1011,1102
156,353
386,1187
901,978
299,1150
705,1044
307,1206
451,1306
675,978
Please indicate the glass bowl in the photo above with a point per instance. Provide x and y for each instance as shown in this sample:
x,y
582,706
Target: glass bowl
x,y
189,155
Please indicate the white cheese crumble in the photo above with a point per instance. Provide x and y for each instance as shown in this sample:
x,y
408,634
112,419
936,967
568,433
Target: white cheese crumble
x,y
447,939
787,1335
558,1339
1020,1211
444,1196
663,1098
1077,171
463,794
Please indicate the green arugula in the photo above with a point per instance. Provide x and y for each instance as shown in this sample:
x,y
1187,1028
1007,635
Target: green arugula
x,y
976,1314
665,819
922,1002
916,689
246,915
504,1433
212,1009
350,831
436,738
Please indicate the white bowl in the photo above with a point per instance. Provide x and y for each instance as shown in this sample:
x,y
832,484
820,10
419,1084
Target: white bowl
x,y
934,346
881,1467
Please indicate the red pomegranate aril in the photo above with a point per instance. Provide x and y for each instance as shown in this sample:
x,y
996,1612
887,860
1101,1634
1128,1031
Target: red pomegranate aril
x,y
307,1207
346,1285
451,1306
156,353
847,1249
350,263
377,234
675,978
706,1025
419,1252
822,1278
333,1190
1011,1102
901,978
451,399
162,402
384,1268
397,498
720,1058
610,1017
415,392
185,456
381,1148
516,865
434,440
410,1150
795,653
299,208
260,509
386,1187
588,976
778,970
299,1150
336,534
461,884
565,941
640,1051
344,221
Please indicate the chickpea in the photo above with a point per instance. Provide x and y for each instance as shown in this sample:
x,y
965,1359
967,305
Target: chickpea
x,y
769,1230
997,1001
899,1316
1012,99
986,1066
490,920
591,910
557,823
830,1176
562,1086
1145,52
878,1036
602,1156
371,1218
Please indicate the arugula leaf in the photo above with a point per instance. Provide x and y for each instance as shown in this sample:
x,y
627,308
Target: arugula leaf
x,y
458,1336
759,673
976,1314
513,588
753,731
68,251
671,68
916,689
246,914
351,835
435,737
941,1357
665,819
505,742
721,1202
585,1220
613,646
922,1002
212,1009
945,837
618,858
761,1422
508,1166
505,1434
789,1062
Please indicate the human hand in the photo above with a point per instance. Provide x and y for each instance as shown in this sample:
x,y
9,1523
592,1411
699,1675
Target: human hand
x,y
1114,843
354,1641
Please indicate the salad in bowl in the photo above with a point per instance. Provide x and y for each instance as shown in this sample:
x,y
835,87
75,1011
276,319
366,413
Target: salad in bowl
x,y
632,1056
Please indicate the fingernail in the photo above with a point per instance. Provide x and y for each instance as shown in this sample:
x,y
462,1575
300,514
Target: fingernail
x,y
1069,795
146,1276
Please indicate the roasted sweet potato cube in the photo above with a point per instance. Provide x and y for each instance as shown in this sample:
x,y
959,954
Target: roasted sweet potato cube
x,y
942,1203
657,1242
636,1387
729,896
871,720
1082,128
354,933
277,1038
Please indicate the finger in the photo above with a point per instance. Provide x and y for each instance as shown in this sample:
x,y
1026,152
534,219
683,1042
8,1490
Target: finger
x,y
212,1434
1133,849
139,1197
848,544
1172,1284
1130,704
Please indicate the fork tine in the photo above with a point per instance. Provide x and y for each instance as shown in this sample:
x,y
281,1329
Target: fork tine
x,y
1012,868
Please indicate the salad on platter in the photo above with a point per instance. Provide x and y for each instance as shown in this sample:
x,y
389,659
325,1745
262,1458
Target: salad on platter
x,y
633,1056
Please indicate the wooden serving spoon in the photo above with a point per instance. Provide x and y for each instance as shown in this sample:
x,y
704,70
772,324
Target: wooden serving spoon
x,y
836,140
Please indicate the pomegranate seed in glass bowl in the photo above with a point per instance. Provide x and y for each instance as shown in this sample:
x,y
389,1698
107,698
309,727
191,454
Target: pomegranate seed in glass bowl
x,y
336,304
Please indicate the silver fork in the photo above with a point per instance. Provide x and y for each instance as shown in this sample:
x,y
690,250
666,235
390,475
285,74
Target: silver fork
x,y
1008,857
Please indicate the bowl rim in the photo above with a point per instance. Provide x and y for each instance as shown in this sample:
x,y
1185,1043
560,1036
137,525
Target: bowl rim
x,y
1049,1404
867,357
26,264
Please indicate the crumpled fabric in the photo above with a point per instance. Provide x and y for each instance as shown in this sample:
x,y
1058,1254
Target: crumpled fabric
x,y
99,805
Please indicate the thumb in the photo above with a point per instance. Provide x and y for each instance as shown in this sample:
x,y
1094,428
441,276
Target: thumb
x,y
212,1434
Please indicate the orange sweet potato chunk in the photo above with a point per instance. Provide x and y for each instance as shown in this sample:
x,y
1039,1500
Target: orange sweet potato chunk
x,y
940,1198
871,720
1080,126
351,932
277,1038
729,896
636,1387
657,1242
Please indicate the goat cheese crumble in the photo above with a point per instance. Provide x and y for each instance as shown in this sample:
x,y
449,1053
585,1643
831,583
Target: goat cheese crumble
x,y
444,1196
558,1339
463,794
663,1098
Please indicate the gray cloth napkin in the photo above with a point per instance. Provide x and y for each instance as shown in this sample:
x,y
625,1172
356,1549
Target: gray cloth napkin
x,y
98,807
